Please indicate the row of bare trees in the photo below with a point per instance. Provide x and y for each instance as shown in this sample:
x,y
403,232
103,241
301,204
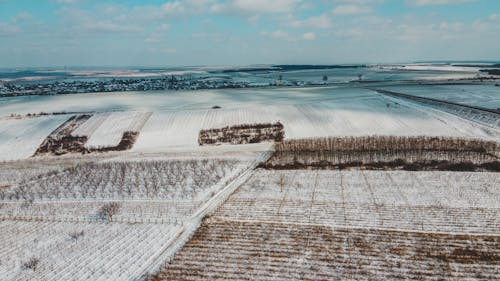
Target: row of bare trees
x,y
388,143
135,179
242,134
387,151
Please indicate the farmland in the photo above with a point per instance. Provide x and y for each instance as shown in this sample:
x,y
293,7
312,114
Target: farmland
x,y
310,225
419,201
270,251
20,138
59,225
353,184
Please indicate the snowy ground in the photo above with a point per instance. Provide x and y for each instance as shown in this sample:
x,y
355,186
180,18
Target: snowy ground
x,y
106,129
164,193
414,201
20,138
349,225
484,95
105,251
374,115
167,127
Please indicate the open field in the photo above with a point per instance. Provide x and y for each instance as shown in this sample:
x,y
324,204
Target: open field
x,y
103,251
107,129
349,225
485,95
183,197
20,138
61,226
173,122
413,201
273,251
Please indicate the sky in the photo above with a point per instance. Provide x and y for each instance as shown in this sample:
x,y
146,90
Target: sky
x,y
42,33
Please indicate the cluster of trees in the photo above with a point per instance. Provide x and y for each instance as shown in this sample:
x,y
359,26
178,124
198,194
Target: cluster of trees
x,y
388,144
137,179
242,134
387,152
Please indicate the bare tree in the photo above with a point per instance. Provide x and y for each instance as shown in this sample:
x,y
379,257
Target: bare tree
x,y
108,210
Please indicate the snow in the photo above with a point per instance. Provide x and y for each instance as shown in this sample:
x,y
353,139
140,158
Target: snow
x,y
451,202
484,95
90,126
142,235
426,67
371,115
106,129
105,251
20,138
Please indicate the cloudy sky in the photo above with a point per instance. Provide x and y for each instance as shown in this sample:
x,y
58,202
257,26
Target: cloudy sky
x,y
239,32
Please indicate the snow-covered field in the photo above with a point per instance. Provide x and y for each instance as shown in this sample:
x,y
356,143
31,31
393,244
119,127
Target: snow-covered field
x,y
157,197
104,251
137,180
106,129
20,138
484,95
349,225
372,115
414,201
166,184
173,123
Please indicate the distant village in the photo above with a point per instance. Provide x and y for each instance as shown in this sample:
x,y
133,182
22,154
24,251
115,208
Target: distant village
x,y
131,84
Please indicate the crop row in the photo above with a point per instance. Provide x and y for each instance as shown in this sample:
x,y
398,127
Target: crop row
x,y
421,201
129,211
178,179
78,251
270,251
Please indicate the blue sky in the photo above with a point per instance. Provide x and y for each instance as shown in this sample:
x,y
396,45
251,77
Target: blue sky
x,y
240,32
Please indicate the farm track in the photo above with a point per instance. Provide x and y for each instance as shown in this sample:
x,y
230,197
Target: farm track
x,y
273,251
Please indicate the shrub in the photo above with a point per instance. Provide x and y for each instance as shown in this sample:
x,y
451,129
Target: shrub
x,y
108,210
32,264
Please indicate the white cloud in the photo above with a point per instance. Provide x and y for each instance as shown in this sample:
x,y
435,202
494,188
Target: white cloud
x,y
322,21
286,36
420,3
253,7
108,26
278,34
309,36
344,10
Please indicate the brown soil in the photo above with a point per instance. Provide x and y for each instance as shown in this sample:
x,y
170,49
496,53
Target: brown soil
x,y
271,251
